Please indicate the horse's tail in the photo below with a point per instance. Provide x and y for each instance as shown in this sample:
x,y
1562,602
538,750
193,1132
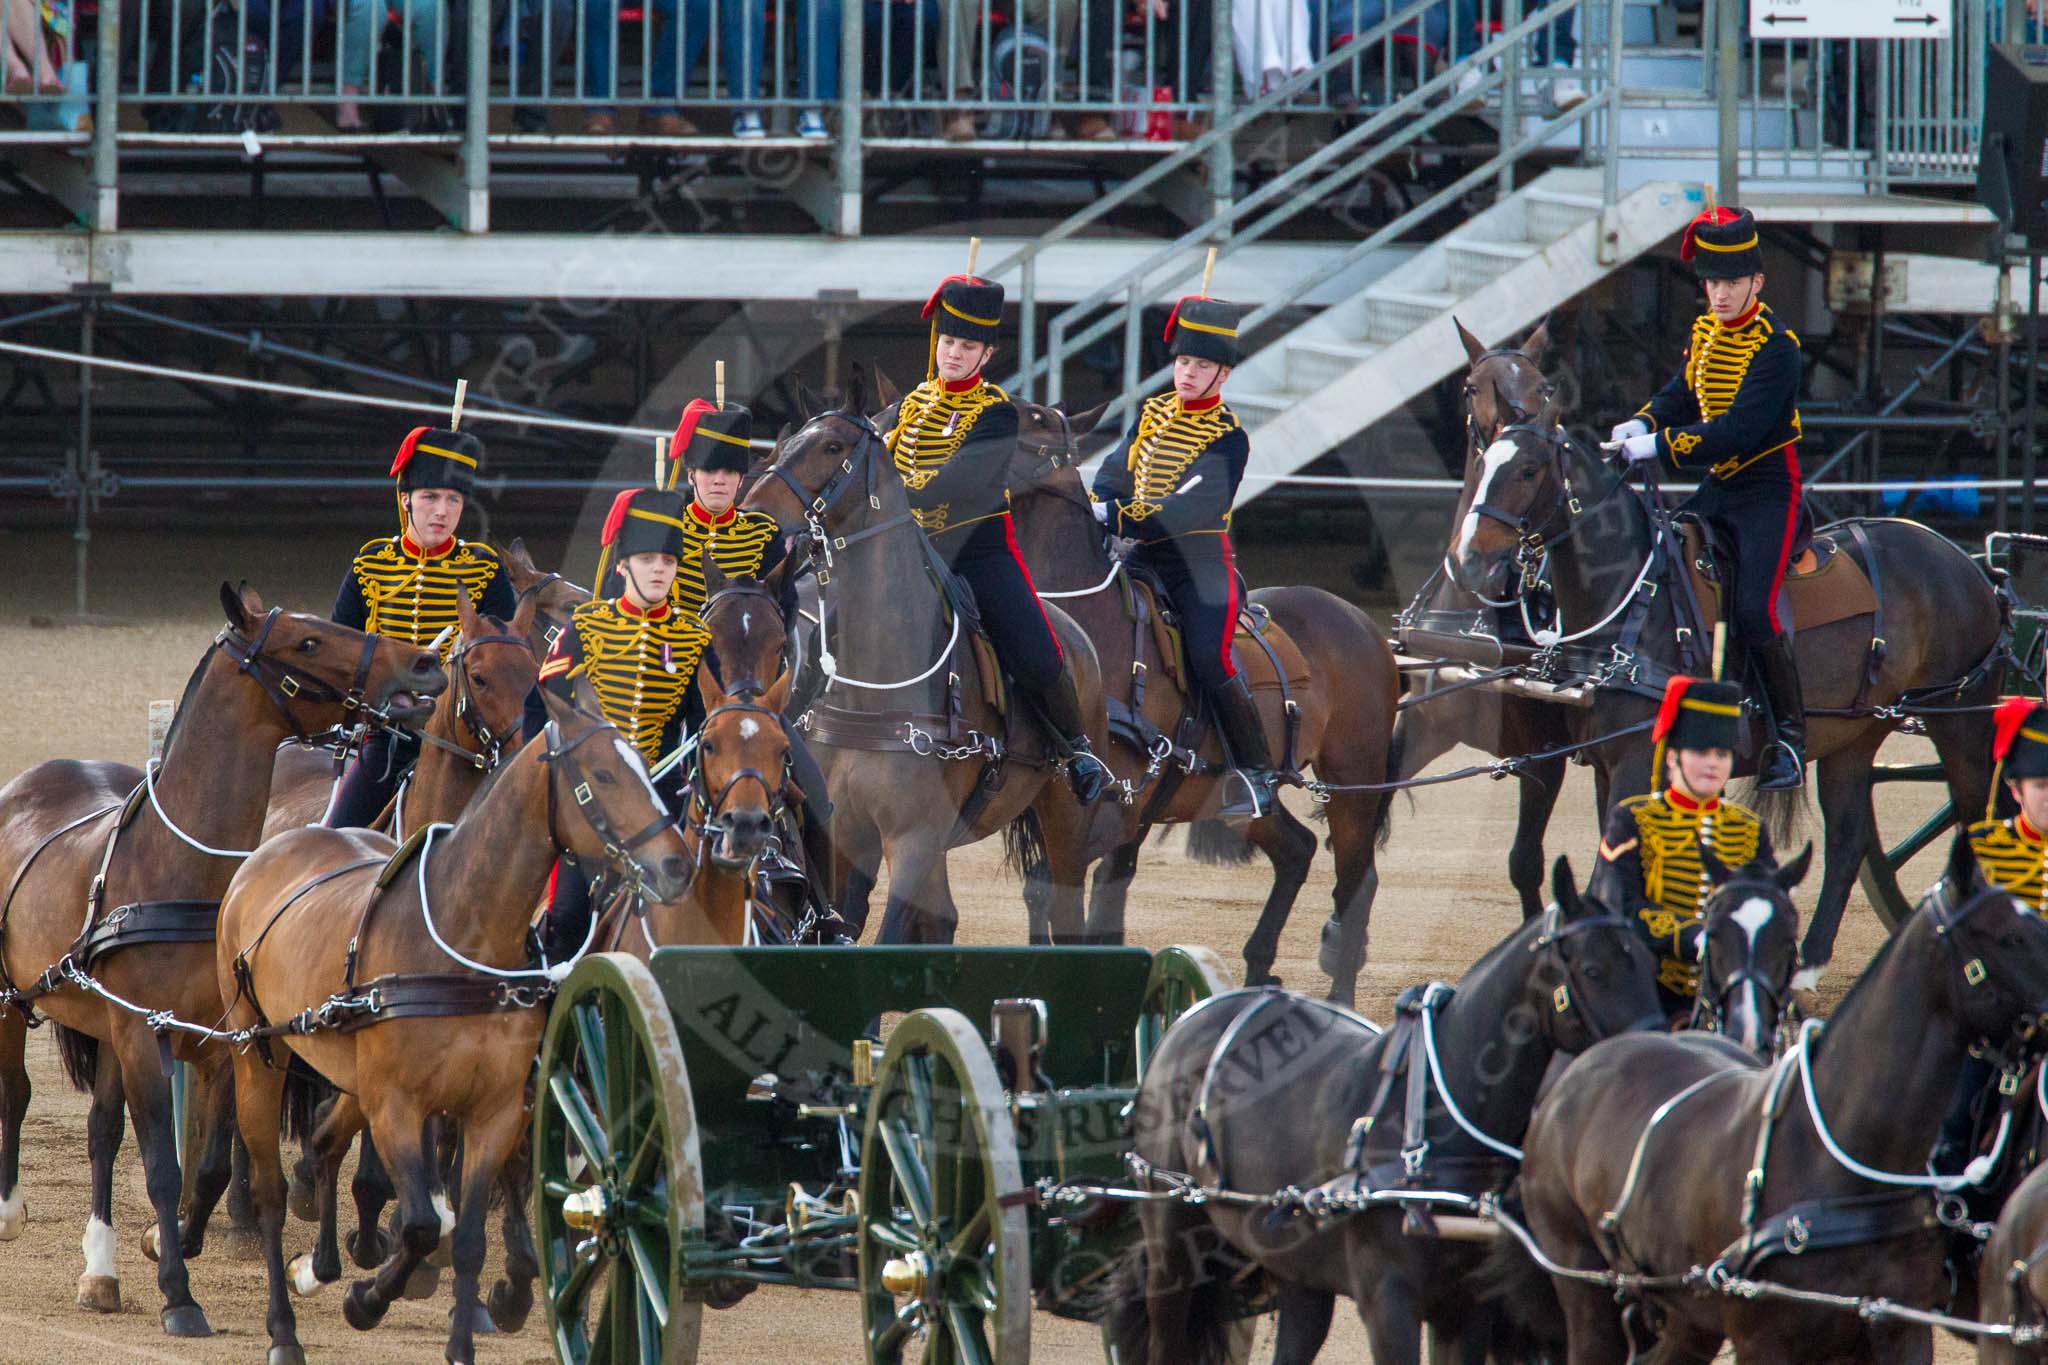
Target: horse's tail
x,y
1024,846
1383,827
1531,1325
1216,843
1127,1322
305,1090
80,1054
1781,813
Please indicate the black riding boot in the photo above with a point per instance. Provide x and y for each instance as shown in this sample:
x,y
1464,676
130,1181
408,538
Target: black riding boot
x,y
1782,765
1059,709
1251,795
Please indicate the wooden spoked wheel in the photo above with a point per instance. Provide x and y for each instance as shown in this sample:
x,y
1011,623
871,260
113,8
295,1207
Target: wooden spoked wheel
x,y
1895,875
1183,975
945,1274
619,1188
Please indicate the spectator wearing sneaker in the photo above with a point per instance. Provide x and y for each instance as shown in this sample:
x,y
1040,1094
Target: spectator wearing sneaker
x,y
817,60
741,24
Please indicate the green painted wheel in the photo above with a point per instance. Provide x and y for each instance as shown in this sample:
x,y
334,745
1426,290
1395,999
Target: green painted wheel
x,y
1890,876
945,1266
1183,975
618,1184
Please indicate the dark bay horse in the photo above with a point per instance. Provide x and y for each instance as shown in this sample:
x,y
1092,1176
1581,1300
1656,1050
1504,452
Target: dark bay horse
x,y
445,933
916,758
1748,952
1257,1091
1537,491
1636,1155
267,677
1503,385
491,670
1341,722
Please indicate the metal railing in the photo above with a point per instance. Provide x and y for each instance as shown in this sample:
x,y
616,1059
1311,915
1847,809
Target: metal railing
x,y
1491,73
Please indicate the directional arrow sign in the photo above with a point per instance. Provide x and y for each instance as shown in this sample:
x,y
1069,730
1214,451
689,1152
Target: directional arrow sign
x,y
1851,18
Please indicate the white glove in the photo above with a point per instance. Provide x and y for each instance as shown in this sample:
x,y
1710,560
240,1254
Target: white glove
x,y
1639,448
1101,511
1634,426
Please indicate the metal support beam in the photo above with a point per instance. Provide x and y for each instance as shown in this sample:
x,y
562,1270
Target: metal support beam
x,y
474,213
458,192
846,157
68,179
1728,90
1222,99
83,471
106,196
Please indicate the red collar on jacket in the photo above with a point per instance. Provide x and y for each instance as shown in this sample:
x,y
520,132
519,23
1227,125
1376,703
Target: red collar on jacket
x,y
1201,404
971,382
2026,831
412,547
1690,803
703,518
658,612
1750,315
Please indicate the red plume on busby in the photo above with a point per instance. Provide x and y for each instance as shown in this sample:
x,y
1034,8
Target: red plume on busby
x,y
713,437
2019,743
616,518
1695,714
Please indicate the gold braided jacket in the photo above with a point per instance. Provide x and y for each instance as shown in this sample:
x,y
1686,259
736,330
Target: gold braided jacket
x,y
932,422
640,663
1665,832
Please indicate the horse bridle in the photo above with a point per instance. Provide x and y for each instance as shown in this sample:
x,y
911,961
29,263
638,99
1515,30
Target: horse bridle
x,y
1711,1011
1567,516
818,507
1471,419
708,829
1556,929
620,852
551,625
490,744
281,686
746,688
1947,917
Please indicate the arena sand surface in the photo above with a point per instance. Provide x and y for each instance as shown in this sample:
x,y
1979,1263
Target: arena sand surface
x,y
82,691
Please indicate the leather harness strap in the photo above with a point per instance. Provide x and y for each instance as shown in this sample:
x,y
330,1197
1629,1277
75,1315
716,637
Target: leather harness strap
x,y
10,994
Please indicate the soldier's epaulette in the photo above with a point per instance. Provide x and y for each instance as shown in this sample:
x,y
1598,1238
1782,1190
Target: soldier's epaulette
x,y
477,548
371,547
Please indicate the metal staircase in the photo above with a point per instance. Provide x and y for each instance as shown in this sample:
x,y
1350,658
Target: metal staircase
x,y
1356,362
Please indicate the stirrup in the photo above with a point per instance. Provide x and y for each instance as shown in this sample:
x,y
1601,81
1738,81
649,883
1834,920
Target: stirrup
x,y
1771,750
1248,793
774,868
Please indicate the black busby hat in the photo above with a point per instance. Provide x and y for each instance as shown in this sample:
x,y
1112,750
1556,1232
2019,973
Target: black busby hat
x,y
432,458
2019,742
1721,244
1205,328
1695,714
964,306
713,437
642,521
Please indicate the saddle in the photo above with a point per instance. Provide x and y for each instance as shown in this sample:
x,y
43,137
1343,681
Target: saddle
x,y
1263,652
1822,585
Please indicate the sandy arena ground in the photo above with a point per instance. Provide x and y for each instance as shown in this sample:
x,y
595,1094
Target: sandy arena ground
x,y
81,691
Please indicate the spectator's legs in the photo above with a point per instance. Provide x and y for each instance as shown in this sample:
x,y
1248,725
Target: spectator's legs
x,y
960,74
600,24
362,22
423,20
817,58
661,57
741,24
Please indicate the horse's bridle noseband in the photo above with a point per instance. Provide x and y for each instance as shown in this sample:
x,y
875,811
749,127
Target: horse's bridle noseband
x,y
281,686
1947,917
708,829
490,749
1711,1011
621,852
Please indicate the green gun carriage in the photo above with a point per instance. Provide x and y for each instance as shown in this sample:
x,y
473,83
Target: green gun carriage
x,y
717,1119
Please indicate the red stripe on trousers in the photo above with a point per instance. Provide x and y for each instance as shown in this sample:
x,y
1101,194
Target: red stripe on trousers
x,y
1785,547
1230,602
1010,539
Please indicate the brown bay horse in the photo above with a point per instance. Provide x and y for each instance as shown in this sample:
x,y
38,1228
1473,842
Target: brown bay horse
x,y
739,785
1341,721
1503,385
917,758
1539,493
447,1021
491,670
268,676
1636,1156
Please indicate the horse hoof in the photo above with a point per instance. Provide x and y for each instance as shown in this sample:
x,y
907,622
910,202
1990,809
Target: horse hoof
x,y
358,1310
1329,954
422,1283
305,1203
305,1281
13,1216
286,1355
152,1240
509,1305
99,1293
367,1248
188,1321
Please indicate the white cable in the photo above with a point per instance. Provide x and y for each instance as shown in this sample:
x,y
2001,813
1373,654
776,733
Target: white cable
x,y
149,782
831,665
1115,567
435,831
1547,638
1973,1174
1436,1074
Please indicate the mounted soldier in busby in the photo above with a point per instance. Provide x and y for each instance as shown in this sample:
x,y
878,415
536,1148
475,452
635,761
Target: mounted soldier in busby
x,y
404,587
953,436
1170,488
1730,417
1654,863
638,652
